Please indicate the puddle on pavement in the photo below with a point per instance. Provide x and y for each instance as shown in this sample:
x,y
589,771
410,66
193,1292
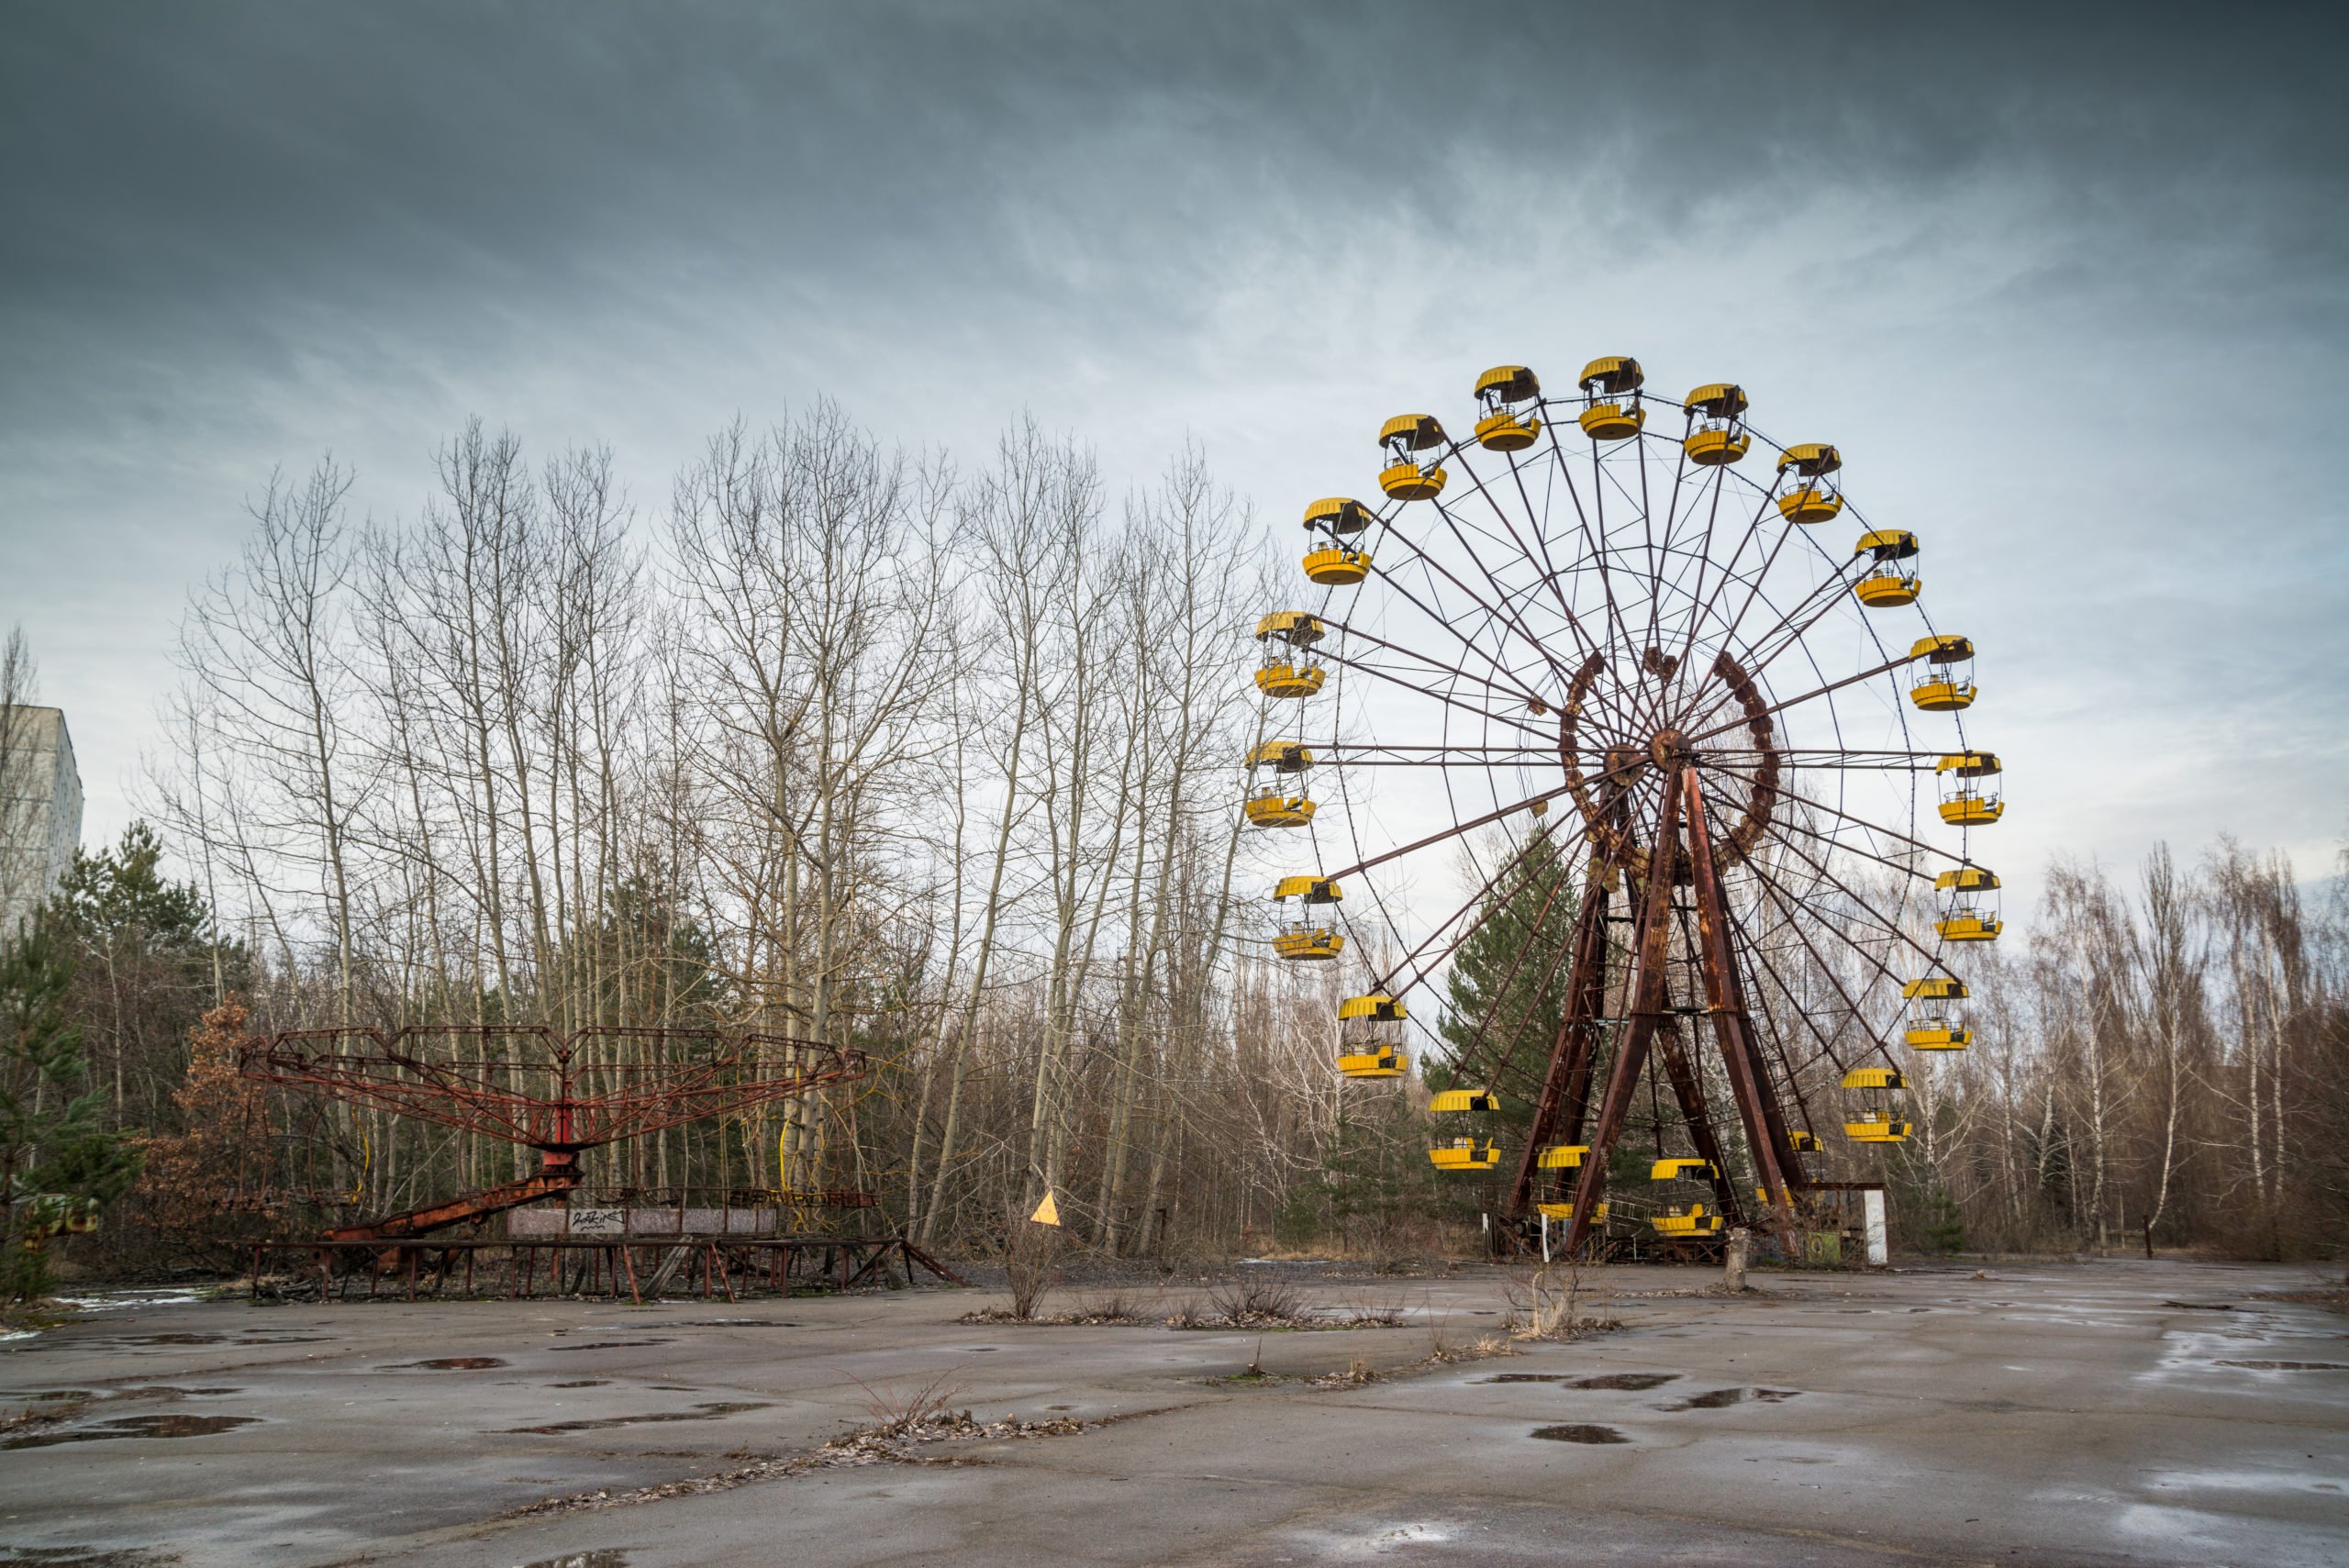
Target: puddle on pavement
x,y
584,1383
732,1323
247,1338
139,1427
2201,1306
172,1339
447,1363
83,1557
2291,1366
1629,1380
608,1345
1721,1398
582,1560
1580,1433
1525,1377
699,1413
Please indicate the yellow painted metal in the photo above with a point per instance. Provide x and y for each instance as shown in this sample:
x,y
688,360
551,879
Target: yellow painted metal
x,y
1969,764
1338,566
1452,1100
1296,628
1886,544
1675,1170
1717,400
1611,421
1937,1034
1566,1211
1406,482
1875,1078
1612,376
1942,648
1812,460
1412,432
1507,432
1271,808
1969,810
1714,448
1508,384
1803,1140
1970,927
1943,697
1692,1221
1968,879
1385,1062
1339,514
1290,680
1465,1155
1887,589
1312,888
1378,1008
1935,988
1809,504
1282,756
1561,1157
1307,943
1876,1127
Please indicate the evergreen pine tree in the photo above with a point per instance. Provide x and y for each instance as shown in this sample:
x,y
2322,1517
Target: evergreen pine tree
x,y
59,1166
1508,981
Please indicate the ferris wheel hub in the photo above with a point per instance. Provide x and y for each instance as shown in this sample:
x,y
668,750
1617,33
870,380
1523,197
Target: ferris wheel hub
x,y
1670,749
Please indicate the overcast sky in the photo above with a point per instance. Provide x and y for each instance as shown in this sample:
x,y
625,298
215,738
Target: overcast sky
x,y
2067,288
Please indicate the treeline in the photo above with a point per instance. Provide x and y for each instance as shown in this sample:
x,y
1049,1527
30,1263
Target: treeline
x,y
2166,1058
835,743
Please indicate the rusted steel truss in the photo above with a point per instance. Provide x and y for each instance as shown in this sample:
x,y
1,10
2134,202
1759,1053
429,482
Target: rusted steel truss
x,y
529,1086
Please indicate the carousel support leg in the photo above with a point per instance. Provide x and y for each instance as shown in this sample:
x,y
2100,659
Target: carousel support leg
x,y
628,1262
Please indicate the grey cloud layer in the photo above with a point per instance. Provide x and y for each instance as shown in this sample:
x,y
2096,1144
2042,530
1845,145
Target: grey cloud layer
x,y
245,233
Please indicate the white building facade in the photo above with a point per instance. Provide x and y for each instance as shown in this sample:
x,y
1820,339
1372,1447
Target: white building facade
x,y
40,809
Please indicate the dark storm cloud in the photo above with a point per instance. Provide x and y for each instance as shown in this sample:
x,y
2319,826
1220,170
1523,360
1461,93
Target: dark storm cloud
x,y
2098,253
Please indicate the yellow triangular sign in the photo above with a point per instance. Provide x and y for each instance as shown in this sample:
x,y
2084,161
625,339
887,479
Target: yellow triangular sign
x,y
1047,1212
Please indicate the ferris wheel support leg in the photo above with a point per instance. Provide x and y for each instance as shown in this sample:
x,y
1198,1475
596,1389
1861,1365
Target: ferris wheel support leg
x,y
1766,1129
1566,1088
1674,1051
1647,992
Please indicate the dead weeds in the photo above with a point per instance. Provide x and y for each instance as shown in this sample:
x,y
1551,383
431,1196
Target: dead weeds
x,y
910,1423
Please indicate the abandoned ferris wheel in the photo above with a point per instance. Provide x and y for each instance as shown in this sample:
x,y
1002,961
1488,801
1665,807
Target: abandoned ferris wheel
x,y
1689,640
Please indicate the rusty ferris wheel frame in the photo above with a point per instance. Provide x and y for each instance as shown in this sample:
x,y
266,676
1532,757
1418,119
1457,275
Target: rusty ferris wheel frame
x,y
1632,608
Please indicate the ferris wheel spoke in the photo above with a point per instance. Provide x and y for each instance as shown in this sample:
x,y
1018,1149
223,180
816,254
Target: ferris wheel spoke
x,y
1816,692
1756,956
1598,552
1450,623
1789,634
1444,697
1859,821
1454,831
1703,612
1369,754
1515,621
1891,929
1853,1013
1483,903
